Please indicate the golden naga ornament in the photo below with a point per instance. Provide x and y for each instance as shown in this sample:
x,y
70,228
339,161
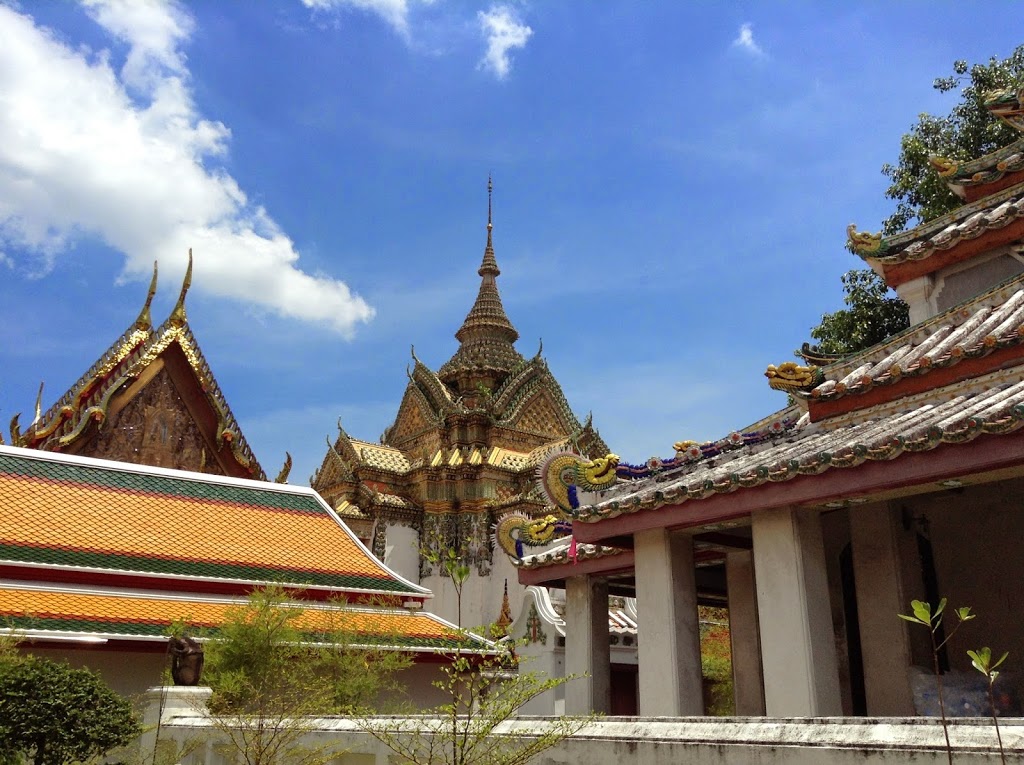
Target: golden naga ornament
x,y
861,242
790,376
563,473
943,166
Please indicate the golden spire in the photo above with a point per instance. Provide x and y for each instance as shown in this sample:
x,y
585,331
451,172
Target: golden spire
x,y
178,317
145,320
486,337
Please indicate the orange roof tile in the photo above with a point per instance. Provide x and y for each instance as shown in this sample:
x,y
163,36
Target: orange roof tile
x,y
34,611
77,512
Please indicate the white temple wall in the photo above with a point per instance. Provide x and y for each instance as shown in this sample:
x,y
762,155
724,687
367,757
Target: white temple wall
x,y
128,673
481,595
402,551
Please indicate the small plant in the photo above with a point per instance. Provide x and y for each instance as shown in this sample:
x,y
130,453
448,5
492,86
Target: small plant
x,y
982,661
484,691
923,615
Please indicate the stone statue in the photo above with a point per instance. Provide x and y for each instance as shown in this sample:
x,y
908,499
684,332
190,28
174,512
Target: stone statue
x,y
186,660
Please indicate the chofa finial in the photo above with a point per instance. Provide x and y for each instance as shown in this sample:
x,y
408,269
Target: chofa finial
x,y
178,317
145,320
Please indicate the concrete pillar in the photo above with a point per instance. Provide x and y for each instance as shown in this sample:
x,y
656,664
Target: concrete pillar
x,y
670,677
587,649
798,653
884,643
747,681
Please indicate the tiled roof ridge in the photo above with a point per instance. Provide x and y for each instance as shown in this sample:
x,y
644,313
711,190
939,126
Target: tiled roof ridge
x,y
966,222
98,463
815,450
1009,156
966,330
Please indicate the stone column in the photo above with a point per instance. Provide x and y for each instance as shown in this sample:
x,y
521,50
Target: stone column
x,y
587,649
884,643
666,604
798,653
748,683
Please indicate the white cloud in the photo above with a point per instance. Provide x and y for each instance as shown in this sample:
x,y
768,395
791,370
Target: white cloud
x,y
394,12
127,158
745,40
504,32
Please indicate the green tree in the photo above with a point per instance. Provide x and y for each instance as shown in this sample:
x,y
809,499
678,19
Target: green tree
x,y
273,666
484,694
966,133
51,714
872,314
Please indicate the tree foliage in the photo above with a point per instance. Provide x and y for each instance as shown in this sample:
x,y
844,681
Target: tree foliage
x,y
51,714
966,133
272,672
872,314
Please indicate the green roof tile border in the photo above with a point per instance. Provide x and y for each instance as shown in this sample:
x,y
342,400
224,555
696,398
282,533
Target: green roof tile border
x,y
142,483
141,564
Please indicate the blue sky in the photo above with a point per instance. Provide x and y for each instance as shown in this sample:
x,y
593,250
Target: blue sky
x,y
672,186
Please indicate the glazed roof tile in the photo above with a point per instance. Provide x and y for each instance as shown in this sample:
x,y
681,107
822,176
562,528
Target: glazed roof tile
x,y
78,513
991,321
987,169
383,457
967,222
993,404
36,610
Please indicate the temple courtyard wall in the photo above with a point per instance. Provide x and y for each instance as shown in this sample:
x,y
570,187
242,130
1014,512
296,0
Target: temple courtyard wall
x,y
642,741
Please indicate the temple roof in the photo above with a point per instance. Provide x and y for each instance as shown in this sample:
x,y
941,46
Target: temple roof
x,y
88,401
40,611
989,169
65,516
981,326
970,221
989,405
486,337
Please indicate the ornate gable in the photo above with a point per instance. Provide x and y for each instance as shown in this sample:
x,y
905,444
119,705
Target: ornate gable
x,y
150,399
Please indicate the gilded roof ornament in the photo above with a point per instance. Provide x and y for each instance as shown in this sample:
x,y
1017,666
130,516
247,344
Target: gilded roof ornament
x,y
790,376
1007,105
39,406
861,242
282,476
178,317
505,617
943,166
145,320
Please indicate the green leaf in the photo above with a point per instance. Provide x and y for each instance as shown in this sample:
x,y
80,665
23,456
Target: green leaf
x,y
964,614
1001,660
922,610
913,619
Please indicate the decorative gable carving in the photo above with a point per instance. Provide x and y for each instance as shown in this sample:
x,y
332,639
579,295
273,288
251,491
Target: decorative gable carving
x,y
155,428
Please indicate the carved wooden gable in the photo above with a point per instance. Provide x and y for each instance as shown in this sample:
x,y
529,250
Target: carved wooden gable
x,y
155,427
